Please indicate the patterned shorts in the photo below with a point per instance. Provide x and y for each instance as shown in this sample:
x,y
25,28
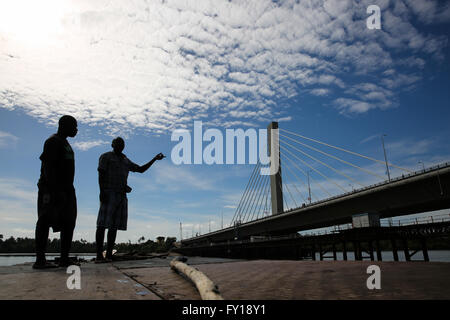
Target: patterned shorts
x,y
113,213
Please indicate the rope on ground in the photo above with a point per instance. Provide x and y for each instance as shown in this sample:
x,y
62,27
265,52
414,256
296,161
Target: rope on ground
x,y
207,289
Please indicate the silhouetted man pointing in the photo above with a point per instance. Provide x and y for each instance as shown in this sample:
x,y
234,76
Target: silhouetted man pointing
x,y
113,169
57,204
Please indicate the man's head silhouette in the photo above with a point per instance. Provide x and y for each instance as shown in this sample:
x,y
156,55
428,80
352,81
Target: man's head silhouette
x,y
67,126
118,144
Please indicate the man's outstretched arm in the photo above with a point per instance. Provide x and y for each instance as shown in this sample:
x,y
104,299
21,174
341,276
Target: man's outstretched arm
x,y
142,169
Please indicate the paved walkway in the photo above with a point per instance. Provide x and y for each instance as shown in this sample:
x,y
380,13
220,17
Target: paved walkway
x,y
97,282
152,279
298,280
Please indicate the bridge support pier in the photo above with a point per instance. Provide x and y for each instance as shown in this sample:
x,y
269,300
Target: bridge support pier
x,y
425,249
334,252
344,250
298,253
394,249
377,247
320,252
406,249
357,250
313,252
372,258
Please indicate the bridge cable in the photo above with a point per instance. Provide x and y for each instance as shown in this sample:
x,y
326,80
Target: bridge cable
x,y
259,202
244,196
289,191
293,173
257,198
264,183
252,197
265,195
305,200
348,151
326,165
306,164
336,158
266,208
252,201
287,188
300,169
260,195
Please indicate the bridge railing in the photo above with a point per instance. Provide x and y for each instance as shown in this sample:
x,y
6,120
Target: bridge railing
x,y
402,177
386,223
385,182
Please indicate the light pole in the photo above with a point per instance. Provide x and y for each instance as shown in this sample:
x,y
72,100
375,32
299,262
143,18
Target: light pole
x,y
423,165
385,157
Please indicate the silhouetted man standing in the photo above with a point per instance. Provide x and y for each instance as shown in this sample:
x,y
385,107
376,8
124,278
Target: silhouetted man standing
x,y
113,169
57,204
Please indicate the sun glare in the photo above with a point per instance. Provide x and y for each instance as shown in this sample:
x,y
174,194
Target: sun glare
x,y
32,21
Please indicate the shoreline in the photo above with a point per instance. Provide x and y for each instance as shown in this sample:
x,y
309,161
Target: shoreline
x,y
47,254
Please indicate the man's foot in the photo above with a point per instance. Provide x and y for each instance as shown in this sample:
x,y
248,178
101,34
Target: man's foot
x,y
101,260
44,265
64,263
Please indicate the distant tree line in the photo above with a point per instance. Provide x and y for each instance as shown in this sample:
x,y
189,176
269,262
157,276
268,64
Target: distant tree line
x,y
27,245
162,244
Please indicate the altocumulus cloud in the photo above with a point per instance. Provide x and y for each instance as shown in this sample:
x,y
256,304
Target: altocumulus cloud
x,y
86,145
7,139
158,65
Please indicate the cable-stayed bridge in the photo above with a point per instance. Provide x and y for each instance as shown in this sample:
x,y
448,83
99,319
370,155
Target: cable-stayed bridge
x,y
321,185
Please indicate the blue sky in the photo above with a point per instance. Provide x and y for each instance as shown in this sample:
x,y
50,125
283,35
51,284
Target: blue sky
x,y
143,70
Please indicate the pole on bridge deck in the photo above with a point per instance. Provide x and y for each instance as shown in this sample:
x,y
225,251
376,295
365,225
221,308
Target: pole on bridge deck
x,y
378,249
276,190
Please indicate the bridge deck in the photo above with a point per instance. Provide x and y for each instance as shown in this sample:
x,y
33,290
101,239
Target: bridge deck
x,y
416,193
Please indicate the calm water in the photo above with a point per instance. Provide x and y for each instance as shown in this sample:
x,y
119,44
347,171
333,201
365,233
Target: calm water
x,y
435,256
10,260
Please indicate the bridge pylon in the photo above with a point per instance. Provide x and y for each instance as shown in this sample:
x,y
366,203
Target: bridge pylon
x,y
276,190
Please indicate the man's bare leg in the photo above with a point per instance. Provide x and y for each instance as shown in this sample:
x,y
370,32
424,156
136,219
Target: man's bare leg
x,y
99,238
110,245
